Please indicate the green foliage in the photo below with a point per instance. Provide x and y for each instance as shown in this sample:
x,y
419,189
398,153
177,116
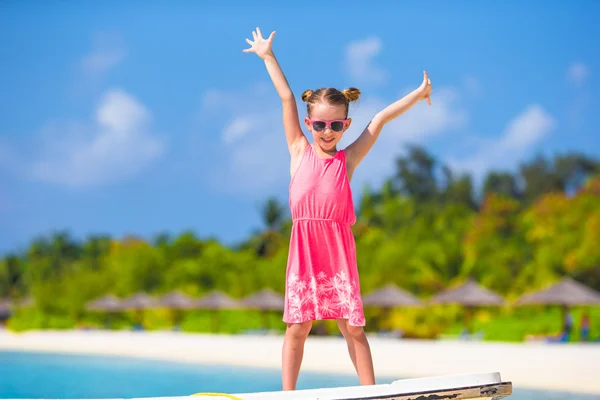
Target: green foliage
x,y
424,230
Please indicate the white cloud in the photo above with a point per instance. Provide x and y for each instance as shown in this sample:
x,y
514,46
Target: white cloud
x,y
252,141
527,128
120,112
239,127
578,73
360,63
116,147
108,51
521,133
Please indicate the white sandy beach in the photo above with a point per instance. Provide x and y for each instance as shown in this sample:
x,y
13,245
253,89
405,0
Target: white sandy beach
x,y
571,367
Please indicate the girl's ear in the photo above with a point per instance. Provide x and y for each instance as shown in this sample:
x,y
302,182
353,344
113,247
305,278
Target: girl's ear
x,y
307,123
348,123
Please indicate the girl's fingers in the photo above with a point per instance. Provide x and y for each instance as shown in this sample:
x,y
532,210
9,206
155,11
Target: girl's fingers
x,y
271,36
258,31
251,43
254,35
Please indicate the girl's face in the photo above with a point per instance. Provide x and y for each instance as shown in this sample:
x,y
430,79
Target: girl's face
x,y
327,124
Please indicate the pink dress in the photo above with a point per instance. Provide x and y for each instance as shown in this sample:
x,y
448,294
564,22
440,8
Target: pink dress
x,y
322,275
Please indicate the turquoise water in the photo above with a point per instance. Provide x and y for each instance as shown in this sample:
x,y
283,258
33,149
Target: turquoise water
x,y
35,375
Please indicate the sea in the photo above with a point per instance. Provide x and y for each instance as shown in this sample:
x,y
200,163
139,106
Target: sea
x,y
64,376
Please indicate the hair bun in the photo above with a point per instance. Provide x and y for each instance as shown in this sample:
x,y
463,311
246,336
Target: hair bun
x,y
351,94
306,95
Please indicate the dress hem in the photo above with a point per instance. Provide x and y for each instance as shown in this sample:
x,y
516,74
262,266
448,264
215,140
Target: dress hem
x,y
324,319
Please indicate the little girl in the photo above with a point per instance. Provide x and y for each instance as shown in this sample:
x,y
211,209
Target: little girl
x,y
322,275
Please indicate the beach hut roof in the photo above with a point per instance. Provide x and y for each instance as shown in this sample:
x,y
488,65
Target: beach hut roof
x,y
468,294
174,300
217,300
390,296
566,292
138,301
106,303
5,308
266,299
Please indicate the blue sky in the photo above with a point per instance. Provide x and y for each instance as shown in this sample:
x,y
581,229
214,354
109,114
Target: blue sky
x,y
145,117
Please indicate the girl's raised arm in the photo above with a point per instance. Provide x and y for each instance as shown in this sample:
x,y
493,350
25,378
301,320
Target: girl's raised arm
x,y
357,150
263,48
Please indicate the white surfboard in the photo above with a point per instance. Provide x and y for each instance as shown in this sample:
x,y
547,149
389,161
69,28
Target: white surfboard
x,y
484,386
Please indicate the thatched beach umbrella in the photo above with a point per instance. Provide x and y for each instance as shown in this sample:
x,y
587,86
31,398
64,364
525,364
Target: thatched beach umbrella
x,y
109,304
138,302
9,305
567,292
215,301
390,296
5,308
266,300
175,301
470,295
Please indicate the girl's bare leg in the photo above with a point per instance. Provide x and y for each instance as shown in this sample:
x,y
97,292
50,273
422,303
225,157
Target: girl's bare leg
x,y
293,351
359,351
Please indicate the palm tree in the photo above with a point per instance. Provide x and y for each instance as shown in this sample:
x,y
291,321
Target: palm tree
x,y
63,250
273,213
13,274
266,242
39,247
185,245
95,247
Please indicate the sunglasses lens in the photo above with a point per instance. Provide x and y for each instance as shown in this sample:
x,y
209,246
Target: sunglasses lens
x,y
337,126
319,125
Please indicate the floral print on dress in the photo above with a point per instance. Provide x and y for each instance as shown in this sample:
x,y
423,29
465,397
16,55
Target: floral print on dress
x,y
324,297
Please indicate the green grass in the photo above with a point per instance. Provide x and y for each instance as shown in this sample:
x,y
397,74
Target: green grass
x,y
510,325
514,325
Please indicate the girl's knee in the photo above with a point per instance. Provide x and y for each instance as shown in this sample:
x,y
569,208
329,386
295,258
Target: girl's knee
x,y
350,330
299,331
355,331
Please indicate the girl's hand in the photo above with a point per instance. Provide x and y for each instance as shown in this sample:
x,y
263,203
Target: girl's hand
x,y
425,89
260,46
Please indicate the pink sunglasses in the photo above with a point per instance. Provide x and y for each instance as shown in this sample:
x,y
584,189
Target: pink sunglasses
x,y
336,125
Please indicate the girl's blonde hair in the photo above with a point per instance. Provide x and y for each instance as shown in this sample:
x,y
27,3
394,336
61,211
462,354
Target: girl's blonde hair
x,y
330,96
